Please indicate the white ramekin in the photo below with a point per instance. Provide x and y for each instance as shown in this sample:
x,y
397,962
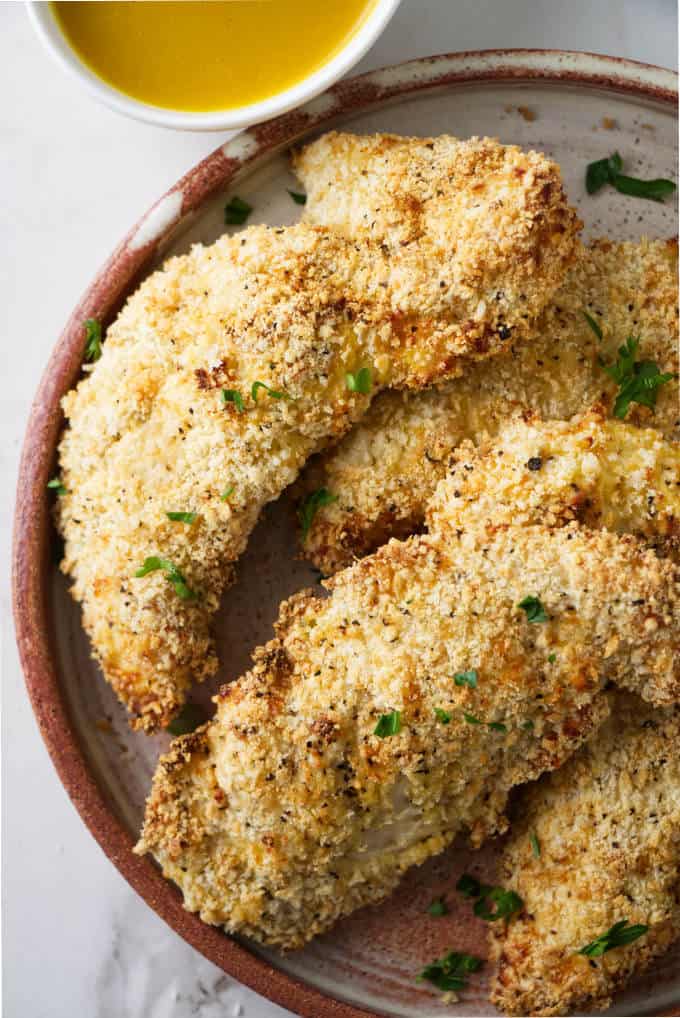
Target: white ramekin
x,y
49,32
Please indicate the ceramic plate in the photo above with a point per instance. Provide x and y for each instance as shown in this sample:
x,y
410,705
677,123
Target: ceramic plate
x,y
575,107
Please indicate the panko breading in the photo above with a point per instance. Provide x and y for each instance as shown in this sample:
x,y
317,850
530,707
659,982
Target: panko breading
x,y
296,309
385,470
495,215
288,811
601,472
608,829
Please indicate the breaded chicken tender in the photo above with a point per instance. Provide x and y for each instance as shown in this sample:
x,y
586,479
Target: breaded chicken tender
x,y
493,216
602,472
219,378
403,709
385,470
597,843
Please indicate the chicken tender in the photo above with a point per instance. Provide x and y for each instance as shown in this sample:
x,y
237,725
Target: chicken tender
x,y
384,472
385,719
219,378
597,843
487,212
603,473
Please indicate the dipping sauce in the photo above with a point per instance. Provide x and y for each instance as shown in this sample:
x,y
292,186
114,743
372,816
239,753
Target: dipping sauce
x,y
203,56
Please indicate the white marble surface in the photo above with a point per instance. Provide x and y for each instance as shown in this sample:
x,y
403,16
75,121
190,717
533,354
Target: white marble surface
x,y
77,940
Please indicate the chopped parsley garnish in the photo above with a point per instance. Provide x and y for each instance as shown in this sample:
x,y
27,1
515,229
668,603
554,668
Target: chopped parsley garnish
x,y
595,326
270,392
528,726
56,486
442,715
188,720
172,573
450,972
182,517
236,211
497,726
552,658
535,844
619,935
638,381
535,612
388,724
235,397
466,679
227,492
471,719
298,197
93,340
492,902
608,171
438,907
361,382
311,506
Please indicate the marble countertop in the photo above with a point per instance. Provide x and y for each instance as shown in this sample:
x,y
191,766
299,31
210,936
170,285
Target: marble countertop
x,y
77,940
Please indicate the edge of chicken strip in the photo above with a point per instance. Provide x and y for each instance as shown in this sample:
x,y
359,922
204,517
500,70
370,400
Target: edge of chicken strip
x,y
608,829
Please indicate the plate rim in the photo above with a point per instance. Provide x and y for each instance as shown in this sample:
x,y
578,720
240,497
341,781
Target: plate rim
x,y
33,534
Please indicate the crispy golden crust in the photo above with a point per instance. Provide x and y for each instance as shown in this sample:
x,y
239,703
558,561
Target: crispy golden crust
x,y
608,827
287,811
495,217
296,309
602,472
385,470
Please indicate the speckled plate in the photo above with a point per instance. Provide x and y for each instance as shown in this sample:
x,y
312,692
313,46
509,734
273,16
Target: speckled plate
x,y
576,107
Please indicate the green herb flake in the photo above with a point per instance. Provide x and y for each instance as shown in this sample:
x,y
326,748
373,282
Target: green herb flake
x,y
311,506
226,493
438,907
236,211
492,902
469,886
388,724
602,172
535,612
496,903
298,197
270,392
552,658
172,573
450,972
619,935
472,720
361,382
188,720
653,190
182,517
638,381
527,726
595,326
466,679
535,844
93,340
56,486
497,726
608,171
235,397
442,715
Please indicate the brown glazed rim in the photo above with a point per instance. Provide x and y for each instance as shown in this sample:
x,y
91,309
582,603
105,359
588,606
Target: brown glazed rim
x,y
103,298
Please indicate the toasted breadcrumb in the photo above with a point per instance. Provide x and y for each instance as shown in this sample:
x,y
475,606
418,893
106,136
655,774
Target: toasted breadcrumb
x,y
296,309
287,811
385,470
602,472
608,827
